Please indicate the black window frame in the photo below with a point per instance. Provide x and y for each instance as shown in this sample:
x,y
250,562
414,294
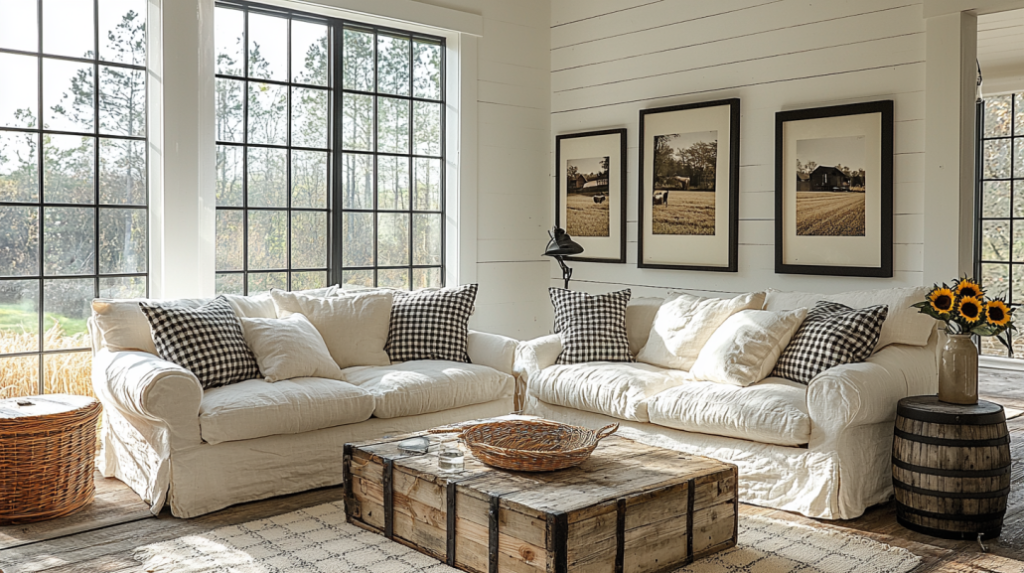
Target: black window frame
x,y
335,206
96,134
1015,261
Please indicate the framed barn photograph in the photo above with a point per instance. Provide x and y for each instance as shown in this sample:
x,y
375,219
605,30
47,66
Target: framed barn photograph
x,y
689,186
590,193
833,190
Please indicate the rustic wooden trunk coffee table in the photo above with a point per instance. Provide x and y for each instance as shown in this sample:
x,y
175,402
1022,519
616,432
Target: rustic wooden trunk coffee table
x,y
629,508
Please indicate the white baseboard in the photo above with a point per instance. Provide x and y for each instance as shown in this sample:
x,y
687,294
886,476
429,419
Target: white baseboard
x,y
1000,363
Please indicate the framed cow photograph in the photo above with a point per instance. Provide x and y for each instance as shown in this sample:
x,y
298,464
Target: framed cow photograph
x,y
689,186
590,193
833,190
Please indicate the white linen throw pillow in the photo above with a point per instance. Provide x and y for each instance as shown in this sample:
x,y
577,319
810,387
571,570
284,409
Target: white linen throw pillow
x,y
746,347
354,326
685,323
288,348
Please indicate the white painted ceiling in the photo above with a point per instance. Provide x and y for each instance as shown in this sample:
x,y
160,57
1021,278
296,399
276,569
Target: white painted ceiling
x,y
1001,50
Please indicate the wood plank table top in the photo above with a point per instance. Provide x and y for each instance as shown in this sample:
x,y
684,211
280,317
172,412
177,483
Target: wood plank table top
x,y
618,467
628,507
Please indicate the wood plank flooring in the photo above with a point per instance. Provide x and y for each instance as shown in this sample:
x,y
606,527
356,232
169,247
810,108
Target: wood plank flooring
x,y
102,538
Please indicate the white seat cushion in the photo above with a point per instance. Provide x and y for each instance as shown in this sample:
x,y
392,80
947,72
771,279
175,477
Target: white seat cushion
x,y
257,408
425,386
617,389
773,411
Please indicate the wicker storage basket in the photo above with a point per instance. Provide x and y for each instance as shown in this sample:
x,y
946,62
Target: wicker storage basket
x,y
47,453
530,445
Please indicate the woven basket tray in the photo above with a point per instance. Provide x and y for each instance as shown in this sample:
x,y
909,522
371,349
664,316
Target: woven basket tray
x,y
530,445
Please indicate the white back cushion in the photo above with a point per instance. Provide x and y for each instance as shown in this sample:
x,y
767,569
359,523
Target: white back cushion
x,y
903,325
122,326
684,324
354,326
639,319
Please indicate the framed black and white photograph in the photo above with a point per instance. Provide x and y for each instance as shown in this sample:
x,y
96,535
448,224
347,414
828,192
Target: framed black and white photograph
x,y
833,190
689,186
590,193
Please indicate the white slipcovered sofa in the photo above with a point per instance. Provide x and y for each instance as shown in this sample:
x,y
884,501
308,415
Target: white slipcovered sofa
x,y
200,450
822,449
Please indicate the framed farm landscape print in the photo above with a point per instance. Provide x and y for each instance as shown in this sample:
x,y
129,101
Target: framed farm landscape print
x,y
689,186
590,193
833,190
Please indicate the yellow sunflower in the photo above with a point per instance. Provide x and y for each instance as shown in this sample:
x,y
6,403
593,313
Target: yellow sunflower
x,y
941,299
970,309
997,313
968,288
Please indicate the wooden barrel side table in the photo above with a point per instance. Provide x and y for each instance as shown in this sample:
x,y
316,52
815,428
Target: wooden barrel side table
x,y
47,453
951,467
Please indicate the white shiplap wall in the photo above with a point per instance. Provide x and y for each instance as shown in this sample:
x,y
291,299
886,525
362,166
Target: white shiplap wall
x,y
612,58
513,129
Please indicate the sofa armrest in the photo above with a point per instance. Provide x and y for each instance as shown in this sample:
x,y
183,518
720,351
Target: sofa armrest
x,y
535,355
868,392
494,350
155,395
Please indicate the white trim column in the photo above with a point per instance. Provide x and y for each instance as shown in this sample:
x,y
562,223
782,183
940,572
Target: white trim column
x,y
951,53
182,154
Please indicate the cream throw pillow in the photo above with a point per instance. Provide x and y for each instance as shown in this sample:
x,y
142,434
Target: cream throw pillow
x,y
684,323
746,347
288,348
354,326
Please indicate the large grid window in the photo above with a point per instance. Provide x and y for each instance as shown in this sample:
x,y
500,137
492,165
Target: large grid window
x,y
1001,205
73,194
330,162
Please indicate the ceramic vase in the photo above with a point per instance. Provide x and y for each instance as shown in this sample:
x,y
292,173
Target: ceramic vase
x,y
958,370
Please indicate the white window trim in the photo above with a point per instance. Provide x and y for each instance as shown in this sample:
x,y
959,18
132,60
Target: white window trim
x,y
181,90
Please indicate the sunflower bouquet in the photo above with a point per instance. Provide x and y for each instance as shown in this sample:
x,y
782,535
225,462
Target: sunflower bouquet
x,y
965,310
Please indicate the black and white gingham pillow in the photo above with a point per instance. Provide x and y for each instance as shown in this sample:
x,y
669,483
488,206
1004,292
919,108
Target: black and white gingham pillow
x,y
431,325
593,328
207,340
832,334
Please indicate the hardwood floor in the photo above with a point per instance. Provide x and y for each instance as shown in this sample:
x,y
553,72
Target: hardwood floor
x,y
103,537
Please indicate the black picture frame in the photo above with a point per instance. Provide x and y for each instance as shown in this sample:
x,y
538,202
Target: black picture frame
x,y
728,263
885,146
617,225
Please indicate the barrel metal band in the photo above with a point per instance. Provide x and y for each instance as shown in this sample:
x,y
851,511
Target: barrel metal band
x,y
492,537
980,419
620,533
972,517
951,473
1000,441
558,538
950,494
986,534
389,499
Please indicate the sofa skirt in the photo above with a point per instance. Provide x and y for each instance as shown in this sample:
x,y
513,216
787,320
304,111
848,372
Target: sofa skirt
x,y
820,484
206,478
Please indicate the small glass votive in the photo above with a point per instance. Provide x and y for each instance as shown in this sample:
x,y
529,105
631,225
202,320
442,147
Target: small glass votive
x,y
451,460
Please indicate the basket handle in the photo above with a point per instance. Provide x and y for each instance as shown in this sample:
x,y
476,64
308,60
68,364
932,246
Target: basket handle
x,y
445,430
605,432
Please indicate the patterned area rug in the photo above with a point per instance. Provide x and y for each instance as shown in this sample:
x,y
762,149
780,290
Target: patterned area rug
x,y
317,540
